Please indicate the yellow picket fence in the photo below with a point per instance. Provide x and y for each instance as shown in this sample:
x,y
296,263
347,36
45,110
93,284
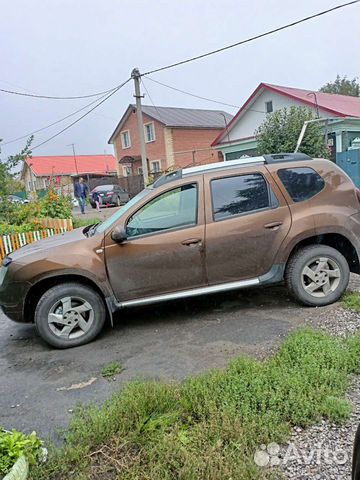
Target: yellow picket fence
x,y
51,226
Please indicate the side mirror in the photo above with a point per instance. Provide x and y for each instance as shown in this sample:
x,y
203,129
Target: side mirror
x,y
119,234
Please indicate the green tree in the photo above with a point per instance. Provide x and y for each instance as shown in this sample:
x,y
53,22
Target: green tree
x,y
8,173
281,129
342,86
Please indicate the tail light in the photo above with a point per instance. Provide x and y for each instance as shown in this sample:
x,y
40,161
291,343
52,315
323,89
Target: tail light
x,y
110,193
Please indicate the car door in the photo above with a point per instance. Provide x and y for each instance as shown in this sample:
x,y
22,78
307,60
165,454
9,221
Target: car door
x,y
163,252
247,219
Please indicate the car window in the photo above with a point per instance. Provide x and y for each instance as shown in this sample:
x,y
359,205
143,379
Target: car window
x,y
238,195
301,183
173,209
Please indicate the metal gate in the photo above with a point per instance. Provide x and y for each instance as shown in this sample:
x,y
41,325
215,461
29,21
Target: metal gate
x,y
350,162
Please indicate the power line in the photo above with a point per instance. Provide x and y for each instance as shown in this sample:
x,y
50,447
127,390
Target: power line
x,y
82,116
193,94
147,91
198,57
49,97
27,135
251,39
203,98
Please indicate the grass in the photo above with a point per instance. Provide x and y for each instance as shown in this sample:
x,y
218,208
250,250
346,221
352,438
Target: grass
x,y
210,425
351,301
111,369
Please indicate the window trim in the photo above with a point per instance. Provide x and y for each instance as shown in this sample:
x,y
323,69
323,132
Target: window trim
x,y
122,139
174,229
153,132
273,200
266,106
152,163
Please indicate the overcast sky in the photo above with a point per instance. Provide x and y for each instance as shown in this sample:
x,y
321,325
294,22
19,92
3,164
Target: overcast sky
x,y
68,47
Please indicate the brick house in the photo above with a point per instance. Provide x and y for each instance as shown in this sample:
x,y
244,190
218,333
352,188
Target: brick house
x,y
38,171
175,137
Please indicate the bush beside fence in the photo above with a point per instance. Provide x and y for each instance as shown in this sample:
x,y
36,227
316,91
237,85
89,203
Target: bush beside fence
x,y
52,226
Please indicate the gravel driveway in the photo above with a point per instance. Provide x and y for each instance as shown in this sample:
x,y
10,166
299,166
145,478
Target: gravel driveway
x,y
323,451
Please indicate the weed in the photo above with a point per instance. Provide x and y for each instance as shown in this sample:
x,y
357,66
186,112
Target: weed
x,y
351,301
111,369
210,425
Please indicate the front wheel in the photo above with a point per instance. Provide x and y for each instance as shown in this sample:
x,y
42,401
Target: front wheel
x,y
69,315
317,275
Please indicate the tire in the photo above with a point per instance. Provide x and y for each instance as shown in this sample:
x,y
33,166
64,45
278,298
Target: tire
x,y
314,282
118,202
93,205
81,326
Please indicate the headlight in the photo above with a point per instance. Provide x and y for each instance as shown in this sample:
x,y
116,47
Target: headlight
x,y
6,262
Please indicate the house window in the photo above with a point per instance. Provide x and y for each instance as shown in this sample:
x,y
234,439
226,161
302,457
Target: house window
x,y
149,132
155,166
268,106
127,171
125,139
140,171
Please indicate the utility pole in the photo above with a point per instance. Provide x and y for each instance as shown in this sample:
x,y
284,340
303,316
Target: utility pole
x,y
135,74
75,160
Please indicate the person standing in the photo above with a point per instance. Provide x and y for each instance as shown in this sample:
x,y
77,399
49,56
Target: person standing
x,y
96,199
81,191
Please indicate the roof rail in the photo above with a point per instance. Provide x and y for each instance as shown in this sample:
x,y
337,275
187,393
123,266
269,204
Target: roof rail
x,y
264,159
285,157
225,164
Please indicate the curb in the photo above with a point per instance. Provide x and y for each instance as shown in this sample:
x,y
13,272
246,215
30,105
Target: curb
x,y
19,470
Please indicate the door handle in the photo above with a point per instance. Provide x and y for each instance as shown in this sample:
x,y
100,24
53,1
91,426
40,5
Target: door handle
x,y
191,241
273,225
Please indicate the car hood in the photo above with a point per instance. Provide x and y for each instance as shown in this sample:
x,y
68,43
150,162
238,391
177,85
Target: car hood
x,y
48,243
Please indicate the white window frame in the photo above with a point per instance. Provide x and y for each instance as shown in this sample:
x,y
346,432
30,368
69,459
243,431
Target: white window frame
x,y
124,147
152,166
153,132
272,106
125,170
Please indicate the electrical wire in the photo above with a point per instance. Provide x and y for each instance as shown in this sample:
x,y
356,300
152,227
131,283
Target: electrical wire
x,y
203,98
27,135
82,116
49,97
151,100
251,39
193,94
192,59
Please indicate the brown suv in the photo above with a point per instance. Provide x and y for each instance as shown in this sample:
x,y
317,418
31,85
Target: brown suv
x,y
199,230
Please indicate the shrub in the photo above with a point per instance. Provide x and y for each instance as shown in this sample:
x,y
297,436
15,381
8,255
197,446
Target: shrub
x,y
13,445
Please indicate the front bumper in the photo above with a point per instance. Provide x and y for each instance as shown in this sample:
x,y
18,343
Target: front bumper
x,y
12,297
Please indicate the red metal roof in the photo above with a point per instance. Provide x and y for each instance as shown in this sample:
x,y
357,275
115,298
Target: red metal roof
x,y
65,164
335,105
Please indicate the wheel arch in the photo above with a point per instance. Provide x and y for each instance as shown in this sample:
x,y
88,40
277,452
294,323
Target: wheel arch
x,y
39,288
334,240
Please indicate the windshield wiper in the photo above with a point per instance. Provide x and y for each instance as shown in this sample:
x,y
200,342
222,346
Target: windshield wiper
x,y
92,230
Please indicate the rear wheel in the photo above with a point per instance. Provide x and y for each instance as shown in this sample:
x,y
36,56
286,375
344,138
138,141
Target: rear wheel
x,y
317,275
118,202
69,315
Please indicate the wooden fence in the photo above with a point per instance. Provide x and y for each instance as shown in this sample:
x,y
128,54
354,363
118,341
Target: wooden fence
x,y
51,226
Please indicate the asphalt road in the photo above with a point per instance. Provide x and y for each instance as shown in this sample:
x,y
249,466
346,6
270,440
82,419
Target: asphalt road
x,y
167,341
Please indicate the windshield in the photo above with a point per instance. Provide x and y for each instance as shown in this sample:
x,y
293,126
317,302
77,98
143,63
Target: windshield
x,y
108,222
103,187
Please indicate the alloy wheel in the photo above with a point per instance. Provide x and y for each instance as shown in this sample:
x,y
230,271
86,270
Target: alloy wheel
x,y
70,317
320,277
